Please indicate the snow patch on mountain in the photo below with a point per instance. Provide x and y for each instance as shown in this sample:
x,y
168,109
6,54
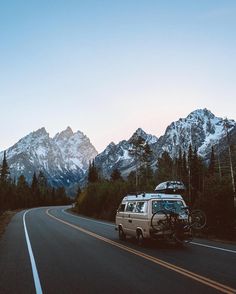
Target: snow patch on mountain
x,y
117,156
76,149
64,159
201,128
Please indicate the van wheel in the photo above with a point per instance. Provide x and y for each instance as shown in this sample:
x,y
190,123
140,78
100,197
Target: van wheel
x,y
140,238
122,235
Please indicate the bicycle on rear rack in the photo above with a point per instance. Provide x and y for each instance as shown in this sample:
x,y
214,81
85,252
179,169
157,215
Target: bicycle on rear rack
x,y
178,226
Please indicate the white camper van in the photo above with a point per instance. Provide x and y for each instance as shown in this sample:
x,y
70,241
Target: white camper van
x,y
142,216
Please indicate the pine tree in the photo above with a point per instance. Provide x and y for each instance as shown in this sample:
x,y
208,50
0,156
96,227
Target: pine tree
x,y
196,175
195,170
116,175
6,191
4,171
179,166
132,181
34,184
78,192
146,181
142,154
185,170
61,197
212,163
92,173
164,168
140,150
43,188
147,155
190,167
42,181
35,191
53,196
22,192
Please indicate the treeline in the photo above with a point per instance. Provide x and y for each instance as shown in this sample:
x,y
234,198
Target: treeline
x,y
208,185
20,194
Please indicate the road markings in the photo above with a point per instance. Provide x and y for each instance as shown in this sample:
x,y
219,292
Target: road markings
x,y
201,279
37,283
94,221
194,243
213,247
107,224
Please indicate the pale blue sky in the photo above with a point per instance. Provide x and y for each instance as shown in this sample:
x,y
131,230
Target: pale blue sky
x,y
109,67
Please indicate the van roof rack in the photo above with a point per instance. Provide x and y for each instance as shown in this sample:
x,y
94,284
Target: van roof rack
x,y
136,193
148,196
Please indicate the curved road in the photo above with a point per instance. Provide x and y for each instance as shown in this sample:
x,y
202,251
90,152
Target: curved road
x,y
48,250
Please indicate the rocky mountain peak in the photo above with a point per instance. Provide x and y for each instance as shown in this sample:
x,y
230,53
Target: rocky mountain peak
x,y
200,114
68,130
64,135
81,136
109,148
150,139
63,159
140,132
40,132
201,128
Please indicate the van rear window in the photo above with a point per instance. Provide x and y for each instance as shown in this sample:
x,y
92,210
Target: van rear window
x,y
167,205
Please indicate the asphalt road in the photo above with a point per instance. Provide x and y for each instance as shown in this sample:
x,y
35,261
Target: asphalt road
x,y
56,252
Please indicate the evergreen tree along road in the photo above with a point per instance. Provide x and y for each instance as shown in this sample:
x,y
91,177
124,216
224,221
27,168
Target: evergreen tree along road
x,y
75,254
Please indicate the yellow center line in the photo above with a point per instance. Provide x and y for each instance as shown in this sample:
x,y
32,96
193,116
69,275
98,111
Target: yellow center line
x,y
201,279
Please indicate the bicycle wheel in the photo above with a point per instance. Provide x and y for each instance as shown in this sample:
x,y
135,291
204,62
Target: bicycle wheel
x,y
159,221
198,219
183,234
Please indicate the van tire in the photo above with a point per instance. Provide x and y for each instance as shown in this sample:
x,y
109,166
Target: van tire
x,y
139,237
122,236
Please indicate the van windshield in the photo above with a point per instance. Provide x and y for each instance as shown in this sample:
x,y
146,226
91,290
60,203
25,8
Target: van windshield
x,y
171,205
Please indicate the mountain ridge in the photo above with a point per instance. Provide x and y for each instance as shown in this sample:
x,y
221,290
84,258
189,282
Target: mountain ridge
x,y
201,128
65,157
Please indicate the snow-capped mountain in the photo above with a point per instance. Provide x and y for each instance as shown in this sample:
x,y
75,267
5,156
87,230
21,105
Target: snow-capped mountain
x,y
118,155
201,128
150,139
75,148
63,159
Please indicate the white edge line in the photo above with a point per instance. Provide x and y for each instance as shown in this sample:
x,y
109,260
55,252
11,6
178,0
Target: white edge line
x,y
98,222
213,247
32,260
194,243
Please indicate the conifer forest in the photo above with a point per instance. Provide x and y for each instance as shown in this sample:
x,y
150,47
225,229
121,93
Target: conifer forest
x,y
209,185
18,194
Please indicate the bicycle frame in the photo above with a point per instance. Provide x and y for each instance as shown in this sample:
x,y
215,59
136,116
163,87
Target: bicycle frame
x,y
177,227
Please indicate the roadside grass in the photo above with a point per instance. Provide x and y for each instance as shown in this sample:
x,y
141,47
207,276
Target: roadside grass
x,y
5,219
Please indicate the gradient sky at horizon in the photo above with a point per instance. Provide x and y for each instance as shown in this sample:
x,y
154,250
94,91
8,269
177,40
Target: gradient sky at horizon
x,y
109,67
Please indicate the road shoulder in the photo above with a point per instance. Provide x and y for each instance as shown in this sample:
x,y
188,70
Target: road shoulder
x,y
5,219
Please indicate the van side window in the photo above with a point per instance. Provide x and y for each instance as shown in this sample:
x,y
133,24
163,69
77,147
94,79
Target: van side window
x,y
121,207
140,207
156,206
130,206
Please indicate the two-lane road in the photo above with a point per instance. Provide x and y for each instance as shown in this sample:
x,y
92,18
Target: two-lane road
x,y
54,251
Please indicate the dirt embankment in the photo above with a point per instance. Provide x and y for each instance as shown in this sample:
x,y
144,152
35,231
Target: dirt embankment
x,y
5,218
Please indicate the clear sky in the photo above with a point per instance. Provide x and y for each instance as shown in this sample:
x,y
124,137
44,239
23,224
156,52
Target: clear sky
x,y
108,67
